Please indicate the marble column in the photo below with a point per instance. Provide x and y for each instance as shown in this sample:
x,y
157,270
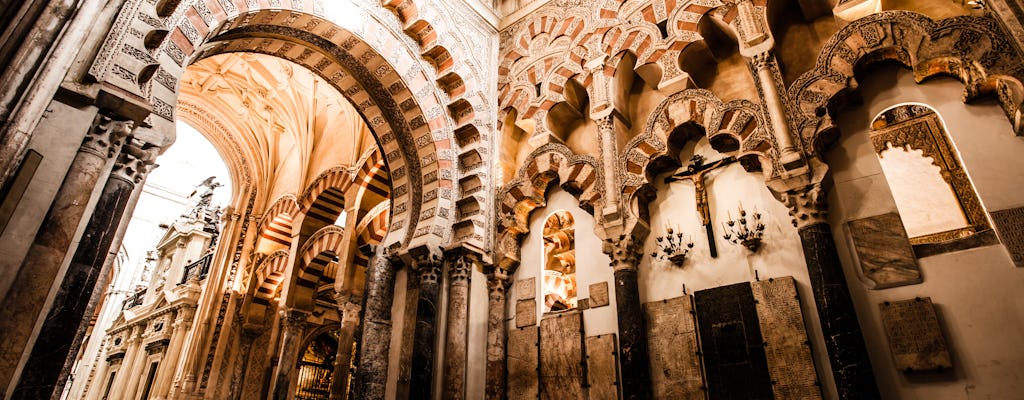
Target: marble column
x,y
847,354
458,325
248,335
168,365
372,371
23,303
292,323
346,339
56,337
132,351
497,285
633,358
428,270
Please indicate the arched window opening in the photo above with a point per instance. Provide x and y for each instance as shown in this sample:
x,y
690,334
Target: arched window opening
x,y
316,368
559,274
933,194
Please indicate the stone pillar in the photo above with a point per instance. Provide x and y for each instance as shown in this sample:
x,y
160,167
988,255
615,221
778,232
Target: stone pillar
x,y
346,339
458,325
428,270
497,284
851,367
20,309
132,348
633,357
168,365
292,324
135,370
609,128
245,342
55,343
372,371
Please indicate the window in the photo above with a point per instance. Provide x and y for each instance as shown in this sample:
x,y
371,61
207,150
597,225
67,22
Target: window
x,y
933,194
559,270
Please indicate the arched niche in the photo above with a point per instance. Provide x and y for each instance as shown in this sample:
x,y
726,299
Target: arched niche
x,y
558,269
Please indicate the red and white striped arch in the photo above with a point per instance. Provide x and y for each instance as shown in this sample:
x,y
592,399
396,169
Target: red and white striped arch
x,y
269,276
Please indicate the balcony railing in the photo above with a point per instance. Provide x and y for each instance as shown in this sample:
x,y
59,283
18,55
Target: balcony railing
x,y
134,300
199,269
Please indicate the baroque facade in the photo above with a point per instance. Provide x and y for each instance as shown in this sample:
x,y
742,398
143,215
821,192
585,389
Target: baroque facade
x,y
561,199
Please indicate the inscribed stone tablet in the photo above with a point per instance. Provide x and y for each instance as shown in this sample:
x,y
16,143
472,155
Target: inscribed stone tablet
x,y
599,294
915,337
730,340
522,364
601,372
672,345
526,289
782,325
561,356
1010,225
884,251
526,313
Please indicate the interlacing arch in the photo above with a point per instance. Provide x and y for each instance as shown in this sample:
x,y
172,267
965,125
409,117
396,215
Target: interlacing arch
x,y
973,50
548,164
415,132
734,126
269,275
275,227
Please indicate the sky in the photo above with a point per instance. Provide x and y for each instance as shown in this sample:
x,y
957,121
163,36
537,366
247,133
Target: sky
x,y
189,161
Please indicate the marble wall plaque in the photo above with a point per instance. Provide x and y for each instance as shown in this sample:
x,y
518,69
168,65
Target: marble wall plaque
x,y
561,356
1010,225
526,289
599,294
731,343
672,345
884,251
522,364
915,337
790,365
526,313
602,376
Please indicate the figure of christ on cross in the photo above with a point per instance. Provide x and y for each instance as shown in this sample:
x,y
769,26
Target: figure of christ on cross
x,y
695,172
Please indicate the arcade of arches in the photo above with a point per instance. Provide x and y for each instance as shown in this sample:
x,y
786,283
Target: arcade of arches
x,y
556,199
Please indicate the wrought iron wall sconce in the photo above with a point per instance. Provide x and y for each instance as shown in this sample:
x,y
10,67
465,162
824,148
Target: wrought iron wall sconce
x,y
673,247
745,230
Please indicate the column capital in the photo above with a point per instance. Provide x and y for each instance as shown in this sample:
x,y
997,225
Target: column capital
x,y
460,270
135,161
105,135
428,267
624,251
807,205
497,280
293,317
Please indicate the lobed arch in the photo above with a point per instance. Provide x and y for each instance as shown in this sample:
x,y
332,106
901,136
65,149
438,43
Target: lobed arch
x,y
737,125
415,132
973,50
547,165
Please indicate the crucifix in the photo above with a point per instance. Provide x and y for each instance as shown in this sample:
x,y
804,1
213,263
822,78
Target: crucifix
x,y
695,172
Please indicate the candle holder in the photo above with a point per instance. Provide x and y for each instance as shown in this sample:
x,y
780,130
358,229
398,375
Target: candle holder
x,y
746,231
673,247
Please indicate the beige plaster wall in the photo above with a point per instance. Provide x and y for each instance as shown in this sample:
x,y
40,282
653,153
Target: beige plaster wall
x,y
592,265
976,292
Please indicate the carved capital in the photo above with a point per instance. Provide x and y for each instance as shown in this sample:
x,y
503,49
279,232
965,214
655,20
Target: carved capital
x,y
497,282
427,266
135,161
294,318
807,206
105,135
625,251
350,312
762,60
460,270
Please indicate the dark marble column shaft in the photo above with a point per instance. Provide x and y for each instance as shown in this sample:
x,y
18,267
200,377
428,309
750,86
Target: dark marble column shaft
x,y
293,321
56,341
372,370
346,340
458,324
851,367
497,285
424,339
246,338
633,356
